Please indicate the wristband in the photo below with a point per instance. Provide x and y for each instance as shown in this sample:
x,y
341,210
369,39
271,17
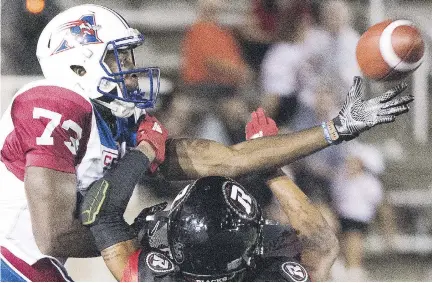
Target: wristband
x,y
330,133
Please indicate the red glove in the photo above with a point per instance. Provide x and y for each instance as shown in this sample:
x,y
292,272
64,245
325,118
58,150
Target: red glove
x,y
153,132
260,125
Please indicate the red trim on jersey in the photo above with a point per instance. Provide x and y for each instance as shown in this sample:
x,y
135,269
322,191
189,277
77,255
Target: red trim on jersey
x,y
42,271
130,272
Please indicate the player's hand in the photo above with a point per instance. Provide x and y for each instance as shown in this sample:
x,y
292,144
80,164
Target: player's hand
x,y
358,115
260,125
153,132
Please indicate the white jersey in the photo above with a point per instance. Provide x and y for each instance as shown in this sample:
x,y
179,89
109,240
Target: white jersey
x,y
357,198
54,127
292,68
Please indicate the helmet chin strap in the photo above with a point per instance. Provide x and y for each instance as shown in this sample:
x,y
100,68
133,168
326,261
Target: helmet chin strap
x,y
119,108
122,109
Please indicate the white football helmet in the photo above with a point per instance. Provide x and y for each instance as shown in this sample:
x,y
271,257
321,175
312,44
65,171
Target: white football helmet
x,y
81,36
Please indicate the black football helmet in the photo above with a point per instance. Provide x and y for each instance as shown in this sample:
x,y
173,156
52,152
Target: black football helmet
x,y
214,229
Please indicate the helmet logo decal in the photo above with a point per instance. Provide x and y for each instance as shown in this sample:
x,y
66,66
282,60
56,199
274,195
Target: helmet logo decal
x,y
178,252
294,271
240,201
239,195
158,262
82,31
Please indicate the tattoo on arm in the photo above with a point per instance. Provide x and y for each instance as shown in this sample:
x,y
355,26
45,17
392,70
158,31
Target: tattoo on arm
x,y
117,256
110,253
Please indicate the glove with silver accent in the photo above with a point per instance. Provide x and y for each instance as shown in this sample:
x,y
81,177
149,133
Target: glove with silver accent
x,y
358,115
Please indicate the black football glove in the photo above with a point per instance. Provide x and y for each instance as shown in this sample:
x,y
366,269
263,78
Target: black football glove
x,y
358,115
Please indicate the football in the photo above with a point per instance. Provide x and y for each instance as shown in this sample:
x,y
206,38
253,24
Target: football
x,y
390,50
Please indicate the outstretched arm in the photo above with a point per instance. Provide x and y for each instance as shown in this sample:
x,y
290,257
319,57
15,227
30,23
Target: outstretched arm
x,y
191,158
320,246
292,207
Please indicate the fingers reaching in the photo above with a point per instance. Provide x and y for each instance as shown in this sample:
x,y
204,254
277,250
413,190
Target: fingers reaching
x,y
356,90
393,92
394,110
385,119
358,115
398,101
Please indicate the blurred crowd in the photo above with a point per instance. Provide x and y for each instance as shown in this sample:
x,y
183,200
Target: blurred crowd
x,y
296,59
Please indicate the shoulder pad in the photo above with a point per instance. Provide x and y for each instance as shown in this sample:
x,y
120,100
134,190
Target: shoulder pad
x,y
52,83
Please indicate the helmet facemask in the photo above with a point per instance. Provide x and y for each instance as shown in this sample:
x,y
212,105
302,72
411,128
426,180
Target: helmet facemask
x,y
143,92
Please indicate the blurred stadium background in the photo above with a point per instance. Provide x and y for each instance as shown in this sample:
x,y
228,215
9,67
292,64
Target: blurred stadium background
x,y
405,144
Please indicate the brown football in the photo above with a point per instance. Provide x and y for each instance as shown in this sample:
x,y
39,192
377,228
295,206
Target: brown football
x,y
390,50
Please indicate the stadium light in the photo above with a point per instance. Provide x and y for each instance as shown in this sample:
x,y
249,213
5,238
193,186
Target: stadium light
x,y
35,6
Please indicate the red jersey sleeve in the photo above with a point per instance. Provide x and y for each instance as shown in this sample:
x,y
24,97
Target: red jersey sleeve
x,y
52,125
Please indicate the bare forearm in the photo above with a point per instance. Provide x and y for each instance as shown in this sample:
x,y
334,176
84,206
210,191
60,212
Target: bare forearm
x,y
273,152
116,257
320,245
189,159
